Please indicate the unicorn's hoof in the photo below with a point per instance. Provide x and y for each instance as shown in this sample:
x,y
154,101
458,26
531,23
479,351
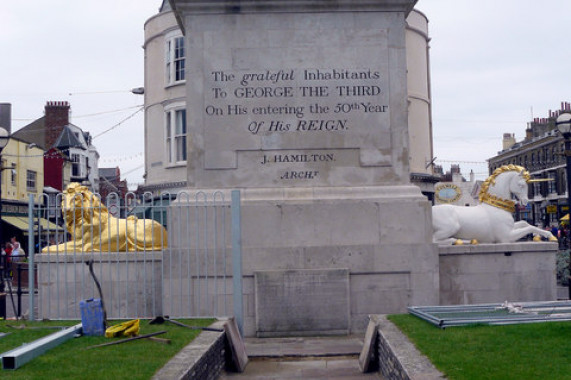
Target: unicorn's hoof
x,y
458,242
537,238
553,238
474,242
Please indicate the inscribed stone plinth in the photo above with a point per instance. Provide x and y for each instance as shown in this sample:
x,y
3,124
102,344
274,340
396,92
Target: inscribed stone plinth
x,y
302,302
297,94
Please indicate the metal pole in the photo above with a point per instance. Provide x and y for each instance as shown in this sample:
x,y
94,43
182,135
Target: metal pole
x,y
237,262
19,291
17,357
568,172
4,261
31,247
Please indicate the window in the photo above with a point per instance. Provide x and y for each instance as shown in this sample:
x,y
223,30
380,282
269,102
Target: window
x,y
537,188
75,165
176,136
552,184
31,180
175,60
13,176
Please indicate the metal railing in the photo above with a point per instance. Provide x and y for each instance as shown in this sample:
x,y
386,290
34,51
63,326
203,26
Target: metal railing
x,y
193,275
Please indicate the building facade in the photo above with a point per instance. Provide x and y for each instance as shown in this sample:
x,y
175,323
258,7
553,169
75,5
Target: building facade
x,y
113,190
421,151
70,155
454,189
21,175
541,152
165,104
166,136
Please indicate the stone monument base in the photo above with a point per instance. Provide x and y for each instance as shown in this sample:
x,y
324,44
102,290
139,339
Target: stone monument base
x,y
491,273
335,255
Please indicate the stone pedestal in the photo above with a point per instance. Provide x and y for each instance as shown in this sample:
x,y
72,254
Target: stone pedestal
x,y
380,236
494,273
303,106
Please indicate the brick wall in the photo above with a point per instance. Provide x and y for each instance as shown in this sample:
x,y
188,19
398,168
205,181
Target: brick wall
x,y
204,358
398,358
211,363
389,365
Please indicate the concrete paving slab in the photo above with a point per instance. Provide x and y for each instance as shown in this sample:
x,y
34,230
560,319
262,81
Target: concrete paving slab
x,y
303,346
303,358
274,369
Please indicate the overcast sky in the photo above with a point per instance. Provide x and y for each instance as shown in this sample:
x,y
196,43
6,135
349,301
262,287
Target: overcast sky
x,y
494,64
87,52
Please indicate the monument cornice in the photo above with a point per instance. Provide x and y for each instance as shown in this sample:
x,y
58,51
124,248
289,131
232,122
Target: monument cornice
x,y
196,7
321,194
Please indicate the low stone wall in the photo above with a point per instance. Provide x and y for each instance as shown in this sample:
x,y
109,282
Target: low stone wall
x,y
397,357
131,283
204,358
491,273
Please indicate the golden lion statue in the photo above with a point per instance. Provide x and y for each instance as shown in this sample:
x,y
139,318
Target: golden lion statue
x,y
92,228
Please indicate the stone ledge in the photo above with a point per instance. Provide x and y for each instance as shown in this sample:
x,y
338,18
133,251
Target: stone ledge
x,y
181,7
203,358
517,247
262,195
397,357
66,257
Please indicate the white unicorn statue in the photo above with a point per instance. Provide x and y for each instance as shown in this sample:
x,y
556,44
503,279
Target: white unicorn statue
x,y
491,221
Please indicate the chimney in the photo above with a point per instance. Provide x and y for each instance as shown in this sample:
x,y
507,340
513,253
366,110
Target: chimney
x,y
56,117
528,134
508,141
455,172
6,116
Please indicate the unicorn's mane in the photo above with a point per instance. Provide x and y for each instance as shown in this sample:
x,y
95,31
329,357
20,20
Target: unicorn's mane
x,y
503,169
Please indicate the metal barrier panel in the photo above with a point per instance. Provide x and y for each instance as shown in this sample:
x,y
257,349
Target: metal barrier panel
x,y
191,276
197,265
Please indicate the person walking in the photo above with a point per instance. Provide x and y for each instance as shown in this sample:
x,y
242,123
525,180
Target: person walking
x,y
17,251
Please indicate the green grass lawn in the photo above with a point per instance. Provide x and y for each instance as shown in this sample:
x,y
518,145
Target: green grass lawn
x,y
524,351
138,359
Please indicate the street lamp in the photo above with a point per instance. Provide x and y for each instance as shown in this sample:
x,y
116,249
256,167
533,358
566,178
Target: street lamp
x,y
563,124
4,137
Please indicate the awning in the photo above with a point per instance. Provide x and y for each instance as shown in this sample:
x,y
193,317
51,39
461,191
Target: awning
x,y
21,223
565,218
